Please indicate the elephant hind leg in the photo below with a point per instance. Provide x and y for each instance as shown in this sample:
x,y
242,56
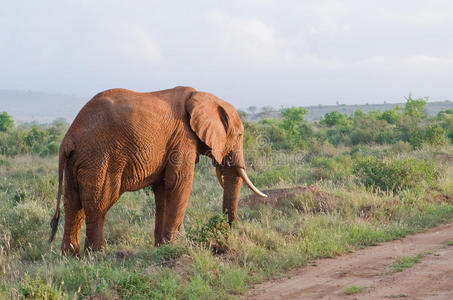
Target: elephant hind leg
x,y
74,217
97,198
71,237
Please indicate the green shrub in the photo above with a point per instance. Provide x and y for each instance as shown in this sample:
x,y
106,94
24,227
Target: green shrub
x,y
278,173
391,115
415,108
37,290
372,131
395,175
43,140
334,118
401,147
339,135
450,136
334,168
432,134
51,149
214,233
296,128
6,122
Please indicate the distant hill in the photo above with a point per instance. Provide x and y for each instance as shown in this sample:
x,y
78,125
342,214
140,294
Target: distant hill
x,y
29,106
316,112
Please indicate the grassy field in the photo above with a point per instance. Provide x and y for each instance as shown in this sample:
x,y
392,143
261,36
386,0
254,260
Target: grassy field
x,y
344,209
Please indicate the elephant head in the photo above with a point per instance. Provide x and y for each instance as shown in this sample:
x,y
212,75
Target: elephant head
x,y
219,128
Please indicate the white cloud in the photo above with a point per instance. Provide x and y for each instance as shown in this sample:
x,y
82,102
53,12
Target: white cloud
x,y
138,44
325,63
430,13
253,39
421,63
329,17
258,42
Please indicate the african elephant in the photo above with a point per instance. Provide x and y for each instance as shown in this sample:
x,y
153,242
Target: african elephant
x,y
123,140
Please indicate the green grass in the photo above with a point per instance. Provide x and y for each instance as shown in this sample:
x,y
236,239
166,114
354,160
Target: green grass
x,y
406,262
450,243
207,262
354,289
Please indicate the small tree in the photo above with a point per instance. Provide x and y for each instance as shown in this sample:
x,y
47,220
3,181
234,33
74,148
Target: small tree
x,y
6,122
391,115
295,126
415,108
334,118
292,117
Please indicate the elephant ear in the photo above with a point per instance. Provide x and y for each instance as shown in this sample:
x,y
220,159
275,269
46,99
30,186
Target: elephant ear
x,y
209,121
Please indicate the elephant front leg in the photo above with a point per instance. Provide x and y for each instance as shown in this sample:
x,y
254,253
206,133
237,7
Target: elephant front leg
x,y
161,198
178,185
94,232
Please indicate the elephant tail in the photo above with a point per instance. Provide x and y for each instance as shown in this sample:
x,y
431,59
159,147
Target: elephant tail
x,y
63,156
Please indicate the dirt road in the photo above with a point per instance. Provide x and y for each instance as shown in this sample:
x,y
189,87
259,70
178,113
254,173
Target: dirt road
x,y
431,278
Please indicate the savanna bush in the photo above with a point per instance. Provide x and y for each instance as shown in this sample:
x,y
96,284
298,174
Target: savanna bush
x,y
278,173
334,118
37,289
339,135
213,233
333,168
396,174
6,122
401,147
41,140
431,134
391,115
372,131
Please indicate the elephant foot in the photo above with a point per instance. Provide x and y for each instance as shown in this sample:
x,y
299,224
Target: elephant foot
x,y
68,248
93,247
94,234
169,237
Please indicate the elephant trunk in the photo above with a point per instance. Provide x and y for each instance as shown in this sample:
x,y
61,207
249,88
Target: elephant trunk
x,y
230,178
232,187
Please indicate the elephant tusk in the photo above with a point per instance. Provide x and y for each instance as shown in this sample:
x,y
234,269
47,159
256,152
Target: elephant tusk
x,y
219,176
249,183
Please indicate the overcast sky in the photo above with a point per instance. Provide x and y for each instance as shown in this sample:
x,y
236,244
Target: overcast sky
x,y
249,52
